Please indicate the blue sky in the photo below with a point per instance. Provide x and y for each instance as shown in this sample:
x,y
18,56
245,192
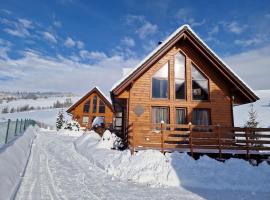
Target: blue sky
x,y
68,45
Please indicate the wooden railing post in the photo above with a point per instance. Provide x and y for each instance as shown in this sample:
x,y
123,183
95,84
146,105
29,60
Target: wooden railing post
x,y
247,143
219,142
190,138
162,135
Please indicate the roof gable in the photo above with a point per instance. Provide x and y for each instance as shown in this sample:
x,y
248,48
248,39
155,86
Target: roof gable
x,y
105,99
185,32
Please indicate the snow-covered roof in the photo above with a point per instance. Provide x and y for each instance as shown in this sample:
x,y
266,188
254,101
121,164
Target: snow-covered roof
x,y
95,88
169,38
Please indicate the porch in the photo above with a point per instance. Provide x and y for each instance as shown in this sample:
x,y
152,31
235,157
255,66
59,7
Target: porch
x,y
214,139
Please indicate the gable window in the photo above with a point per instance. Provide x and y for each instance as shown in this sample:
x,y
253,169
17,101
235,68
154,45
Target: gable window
x,y
160,114
95,104
86,107
160,83
179,76
101,106
201,116
85,120
200,90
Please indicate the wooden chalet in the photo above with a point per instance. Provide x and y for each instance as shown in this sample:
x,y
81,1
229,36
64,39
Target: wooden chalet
x,y
181,96
91,105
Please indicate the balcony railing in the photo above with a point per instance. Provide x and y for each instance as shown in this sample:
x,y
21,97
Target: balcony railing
x,y
199,139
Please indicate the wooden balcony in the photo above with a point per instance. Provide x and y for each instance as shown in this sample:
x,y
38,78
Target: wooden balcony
x,y
189,138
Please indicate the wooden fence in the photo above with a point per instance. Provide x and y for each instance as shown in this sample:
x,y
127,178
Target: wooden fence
x,y
199,139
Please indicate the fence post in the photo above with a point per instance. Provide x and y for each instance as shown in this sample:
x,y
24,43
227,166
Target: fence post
x,y
16,126
219,141
247,144
21,125
162,136
6,139
24,125
190,138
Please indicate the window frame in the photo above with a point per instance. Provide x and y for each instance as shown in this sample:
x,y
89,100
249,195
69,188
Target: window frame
x,y
87,120
174,79
160,106
168,84
94,104
175,116
89,108
104,105
209,113
191,80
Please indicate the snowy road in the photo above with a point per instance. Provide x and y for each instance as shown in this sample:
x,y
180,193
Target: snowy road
x,y
56,171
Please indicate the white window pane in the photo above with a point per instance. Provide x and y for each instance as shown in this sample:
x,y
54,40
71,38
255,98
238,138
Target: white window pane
x,y
162,73
85,119
196,74
179,66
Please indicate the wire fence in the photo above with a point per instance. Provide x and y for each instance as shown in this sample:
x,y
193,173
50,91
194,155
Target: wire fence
x,y
10,129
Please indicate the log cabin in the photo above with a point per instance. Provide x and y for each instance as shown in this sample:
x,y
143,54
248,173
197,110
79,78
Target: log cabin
x,y
181,81
91,105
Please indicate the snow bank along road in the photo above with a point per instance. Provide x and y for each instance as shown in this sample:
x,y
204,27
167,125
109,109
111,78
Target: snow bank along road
x,y
56,171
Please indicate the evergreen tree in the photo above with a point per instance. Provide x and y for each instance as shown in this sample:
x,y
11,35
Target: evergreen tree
x,y
252,123
60,120
252,119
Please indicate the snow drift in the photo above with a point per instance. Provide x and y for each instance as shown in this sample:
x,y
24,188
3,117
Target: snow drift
x,y
13,157
174,169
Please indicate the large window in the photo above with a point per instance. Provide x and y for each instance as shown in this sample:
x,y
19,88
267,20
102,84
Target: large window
x,y
85,120
180,115
160,83
160,114
201,116
95,104
179,76
86,106
101,106
200,89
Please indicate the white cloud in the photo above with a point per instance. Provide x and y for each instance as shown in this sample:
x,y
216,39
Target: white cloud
x,y
26,23
252,66
184,15
146,29
57,24
235,27
34,71
19,28
92,55
70,42
80,44
142,27
128,41
49,37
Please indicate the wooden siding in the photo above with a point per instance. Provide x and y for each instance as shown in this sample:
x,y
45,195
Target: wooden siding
x,y
78,113
219,102
140,92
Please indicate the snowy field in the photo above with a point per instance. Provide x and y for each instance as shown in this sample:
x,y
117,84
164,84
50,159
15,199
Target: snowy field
x,y
40,102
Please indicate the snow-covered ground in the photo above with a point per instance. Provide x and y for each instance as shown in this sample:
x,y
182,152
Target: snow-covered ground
x,y
13,158
57,171
262,107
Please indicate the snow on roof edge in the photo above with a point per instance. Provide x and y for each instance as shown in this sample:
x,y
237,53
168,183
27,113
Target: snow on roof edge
x,y
149,56
165,42
106,97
